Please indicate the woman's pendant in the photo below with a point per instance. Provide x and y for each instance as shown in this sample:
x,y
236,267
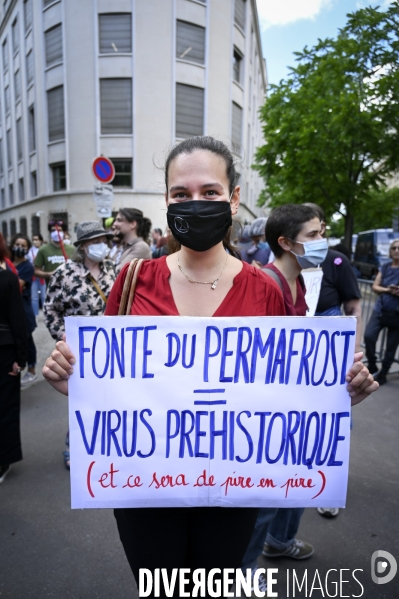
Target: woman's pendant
x,y
215,282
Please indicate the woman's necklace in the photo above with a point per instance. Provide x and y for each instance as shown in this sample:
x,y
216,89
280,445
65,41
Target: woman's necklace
x,y
211,283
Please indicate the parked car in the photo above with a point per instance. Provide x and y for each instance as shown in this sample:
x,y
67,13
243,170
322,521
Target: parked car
x,y
372,250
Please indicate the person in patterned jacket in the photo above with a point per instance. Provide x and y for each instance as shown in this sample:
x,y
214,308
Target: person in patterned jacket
x,y
80,286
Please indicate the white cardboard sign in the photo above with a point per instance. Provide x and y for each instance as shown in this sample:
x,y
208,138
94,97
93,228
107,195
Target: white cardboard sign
x,y
169,411
313,278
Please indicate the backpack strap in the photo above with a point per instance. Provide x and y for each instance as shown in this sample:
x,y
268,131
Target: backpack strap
x,y
273,275
129,287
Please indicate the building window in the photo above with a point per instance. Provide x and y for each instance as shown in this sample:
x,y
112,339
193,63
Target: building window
x,y
237,65
53,43
190,42
116,106
236,128
6,61
189,110
3,199
11,198
239,13
29,68
9,148
23,225
13,225
4,225
1,157
15,36
7,95
28,15
123,172
55,106
115,33
19,140
17,85
59,176
33,185
31,129
21,191
35,225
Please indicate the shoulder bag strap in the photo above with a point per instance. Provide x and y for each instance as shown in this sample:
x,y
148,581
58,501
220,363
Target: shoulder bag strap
x,y
98,288
129,287
133,285
273,275
126,287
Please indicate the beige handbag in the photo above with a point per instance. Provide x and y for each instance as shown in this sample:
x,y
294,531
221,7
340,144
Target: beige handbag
x,y
129,287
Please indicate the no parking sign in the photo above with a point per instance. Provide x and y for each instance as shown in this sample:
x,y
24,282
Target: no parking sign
x,y
103,169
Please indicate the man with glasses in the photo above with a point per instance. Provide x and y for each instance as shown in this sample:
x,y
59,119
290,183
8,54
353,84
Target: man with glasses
x,y
54,253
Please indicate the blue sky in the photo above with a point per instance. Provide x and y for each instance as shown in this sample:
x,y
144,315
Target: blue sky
x,y
288,26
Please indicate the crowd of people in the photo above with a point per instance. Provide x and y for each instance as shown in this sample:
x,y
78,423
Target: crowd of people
x,y
260,276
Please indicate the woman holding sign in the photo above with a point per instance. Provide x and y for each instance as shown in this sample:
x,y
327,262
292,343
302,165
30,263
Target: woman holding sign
x,y
201,278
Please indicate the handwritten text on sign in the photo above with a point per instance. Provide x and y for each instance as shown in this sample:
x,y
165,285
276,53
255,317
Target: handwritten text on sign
x,y
168,411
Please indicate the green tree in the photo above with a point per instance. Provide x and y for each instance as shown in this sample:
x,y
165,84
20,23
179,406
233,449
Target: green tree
x,y
331,129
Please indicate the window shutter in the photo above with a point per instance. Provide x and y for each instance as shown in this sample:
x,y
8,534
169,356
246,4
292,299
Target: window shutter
x,y
115,33
236,129
190,43
28,14
53,43
5,56
239,13
29,67
19,140
7,95
189,110
17,85
31,129
55,105
15,36
116,106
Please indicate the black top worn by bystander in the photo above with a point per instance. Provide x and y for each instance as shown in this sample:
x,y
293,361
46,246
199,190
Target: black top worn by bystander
x,y
339,282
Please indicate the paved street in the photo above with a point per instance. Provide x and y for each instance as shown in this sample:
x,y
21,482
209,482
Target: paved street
x,y
49,551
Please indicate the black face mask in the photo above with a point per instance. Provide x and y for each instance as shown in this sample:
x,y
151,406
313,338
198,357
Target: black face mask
x,y
199,224
19,252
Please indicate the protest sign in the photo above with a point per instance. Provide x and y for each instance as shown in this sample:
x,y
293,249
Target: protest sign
x,y
168,411
313,278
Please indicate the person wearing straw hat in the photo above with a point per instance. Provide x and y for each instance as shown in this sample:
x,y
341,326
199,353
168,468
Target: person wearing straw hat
x,y
82,285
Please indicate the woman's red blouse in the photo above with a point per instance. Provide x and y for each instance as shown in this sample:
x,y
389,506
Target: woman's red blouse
x,y
252,293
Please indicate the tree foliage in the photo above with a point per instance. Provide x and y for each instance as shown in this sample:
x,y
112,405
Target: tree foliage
x,y
331,129
382,208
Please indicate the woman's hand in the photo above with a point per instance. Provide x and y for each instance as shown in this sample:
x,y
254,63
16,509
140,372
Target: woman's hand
x,y
360,382
16,369
58,367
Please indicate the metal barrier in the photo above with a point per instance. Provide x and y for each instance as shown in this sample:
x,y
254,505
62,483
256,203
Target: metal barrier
x,y
369,298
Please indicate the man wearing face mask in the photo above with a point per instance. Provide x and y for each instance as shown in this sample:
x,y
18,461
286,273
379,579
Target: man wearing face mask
x,y
82,285
294,235
258,251
50,256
